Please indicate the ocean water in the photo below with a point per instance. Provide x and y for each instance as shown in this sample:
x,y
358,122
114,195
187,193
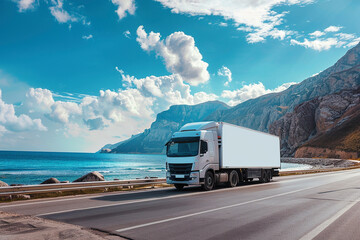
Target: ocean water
x,y
36,167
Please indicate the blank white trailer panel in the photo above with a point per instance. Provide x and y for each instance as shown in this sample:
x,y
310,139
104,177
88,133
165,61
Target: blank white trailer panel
x,y
247,148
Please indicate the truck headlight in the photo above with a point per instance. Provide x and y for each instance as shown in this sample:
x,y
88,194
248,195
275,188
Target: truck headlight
x,y
193,175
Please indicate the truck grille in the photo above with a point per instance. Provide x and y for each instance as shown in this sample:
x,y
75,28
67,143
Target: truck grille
x,y
180,168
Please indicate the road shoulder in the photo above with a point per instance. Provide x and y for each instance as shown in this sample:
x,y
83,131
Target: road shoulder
x,y
15,226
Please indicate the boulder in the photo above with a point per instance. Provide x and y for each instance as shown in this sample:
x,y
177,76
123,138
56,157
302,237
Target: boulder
x,y
51,181
3,184
91,177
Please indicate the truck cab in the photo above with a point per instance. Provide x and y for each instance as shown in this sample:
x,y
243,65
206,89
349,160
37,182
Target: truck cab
x,y
191,152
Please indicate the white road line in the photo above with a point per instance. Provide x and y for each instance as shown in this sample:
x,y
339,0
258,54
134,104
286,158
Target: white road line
x,y
156,198
31,202
316,231
175,196
221,208
208,211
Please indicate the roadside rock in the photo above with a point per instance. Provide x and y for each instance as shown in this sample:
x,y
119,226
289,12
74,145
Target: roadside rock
x,y
51,181
20,197
91,177
3,184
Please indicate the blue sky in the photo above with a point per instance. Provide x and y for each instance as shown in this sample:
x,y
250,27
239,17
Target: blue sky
x,y
75,75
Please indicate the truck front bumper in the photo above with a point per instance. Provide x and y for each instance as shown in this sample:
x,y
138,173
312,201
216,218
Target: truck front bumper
x,y
189,179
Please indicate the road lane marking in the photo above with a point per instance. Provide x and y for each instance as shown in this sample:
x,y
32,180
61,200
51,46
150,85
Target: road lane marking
x,y
154,199
159,198
292,179
316,231
221,208
298,178
209,211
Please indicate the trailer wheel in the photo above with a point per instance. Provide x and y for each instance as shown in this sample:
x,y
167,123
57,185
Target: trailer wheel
x,y
179,186
233,178
209,181
263,178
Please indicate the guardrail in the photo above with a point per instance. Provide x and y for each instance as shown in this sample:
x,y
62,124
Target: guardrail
x,y
56,187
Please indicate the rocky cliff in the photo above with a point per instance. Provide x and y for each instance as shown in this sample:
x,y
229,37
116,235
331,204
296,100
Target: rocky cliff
x,y
327,126
152,140
259,113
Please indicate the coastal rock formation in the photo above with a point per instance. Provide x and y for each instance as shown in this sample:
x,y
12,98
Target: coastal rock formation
x,y
3,184
51,181
327,126
91,177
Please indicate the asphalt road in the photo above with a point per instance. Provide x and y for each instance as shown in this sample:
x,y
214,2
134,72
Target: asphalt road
x,y
316,206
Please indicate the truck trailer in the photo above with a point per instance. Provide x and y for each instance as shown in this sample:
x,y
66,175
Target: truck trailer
x,y
210,153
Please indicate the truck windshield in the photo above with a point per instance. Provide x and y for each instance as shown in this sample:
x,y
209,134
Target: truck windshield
x,y
183,147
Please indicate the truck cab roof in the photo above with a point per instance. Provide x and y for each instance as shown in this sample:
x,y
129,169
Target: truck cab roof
x,y
198,126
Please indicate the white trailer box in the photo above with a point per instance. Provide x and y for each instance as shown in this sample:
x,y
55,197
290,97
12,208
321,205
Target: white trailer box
x,y
246,148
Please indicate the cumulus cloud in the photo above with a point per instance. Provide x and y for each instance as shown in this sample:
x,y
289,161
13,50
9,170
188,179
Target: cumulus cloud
x,y
39,100
251,91
11,122
25,5
127,34
60,14
332,29
224,71
124,7
179,52
95,123
317,44
87,37
166,90
326,39
137,103
62,111
317,34
257,17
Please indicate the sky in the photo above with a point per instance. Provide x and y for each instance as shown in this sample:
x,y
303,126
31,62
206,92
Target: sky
x,y
76,75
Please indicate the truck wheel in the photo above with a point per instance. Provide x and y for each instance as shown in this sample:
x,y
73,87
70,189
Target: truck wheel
x,y
209,181
268,175
233,178
179,186
263,178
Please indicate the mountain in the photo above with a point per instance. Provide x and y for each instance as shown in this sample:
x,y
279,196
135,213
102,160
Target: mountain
x,y
152,140
260,112
257,113
327,126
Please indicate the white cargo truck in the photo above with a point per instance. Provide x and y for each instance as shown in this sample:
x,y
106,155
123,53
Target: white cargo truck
x,y
209,153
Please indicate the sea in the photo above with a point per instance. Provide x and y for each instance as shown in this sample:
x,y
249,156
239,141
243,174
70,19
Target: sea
x,y
35,167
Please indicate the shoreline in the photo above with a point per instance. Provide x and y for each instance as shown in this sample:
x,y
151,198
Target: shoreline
x,y
319,165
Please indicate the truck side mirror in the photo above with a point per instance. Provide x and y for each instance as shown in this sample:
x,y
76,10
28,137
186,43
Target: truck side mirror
x,y
203,147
